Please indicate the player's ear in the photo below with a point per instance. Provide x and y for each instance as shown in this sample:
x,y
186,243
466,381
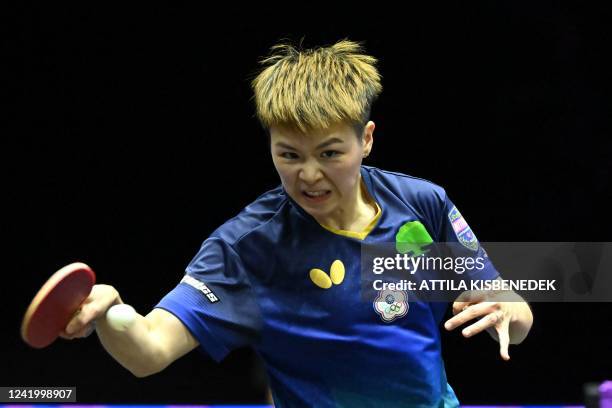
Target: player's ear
x,y
368,138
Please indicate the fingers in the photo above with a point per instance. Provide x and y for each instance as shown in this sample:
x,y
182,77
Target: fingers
x,y
94,307
503,332
494,316
471,312
82,323
490,320
472,304
83,332
466,299
83,320
65,335
87,330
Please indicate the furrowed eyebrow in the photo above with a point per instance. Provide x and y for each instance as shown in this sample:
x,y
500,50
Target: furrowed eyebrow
x,y
284,146
330,142
320,146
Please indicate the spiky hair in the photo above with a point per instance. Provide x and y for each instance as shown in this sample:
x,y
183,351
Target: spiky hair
x,y
314,89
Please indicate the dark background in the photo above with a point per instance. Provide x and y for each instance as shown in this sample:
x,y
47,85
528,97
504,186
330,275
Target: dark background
x,y
129,136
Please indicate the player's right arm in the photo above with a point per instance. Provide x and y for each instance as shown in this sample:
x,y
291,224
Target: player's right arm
x,y
147,346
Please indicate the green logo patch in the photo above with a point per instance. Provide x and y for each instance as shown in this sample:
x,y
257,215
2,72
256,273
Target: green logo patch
x,y
412,237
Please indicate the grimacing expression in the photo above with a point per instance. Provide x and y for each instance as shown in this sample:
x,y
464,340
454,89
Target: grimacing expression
x,y
320,170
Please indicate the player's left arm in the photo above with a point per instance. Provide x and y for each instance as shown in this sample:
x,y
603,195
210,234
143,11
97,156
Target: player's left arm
x,y
503,314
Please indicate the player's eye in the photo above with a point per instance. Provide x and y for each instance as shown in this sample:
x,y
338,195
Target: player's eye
x,y
289,155
329,154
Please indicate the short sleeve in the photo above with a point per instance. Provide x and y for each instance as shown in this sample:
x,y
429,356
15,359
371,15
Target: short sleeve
x,y
215,301
461,240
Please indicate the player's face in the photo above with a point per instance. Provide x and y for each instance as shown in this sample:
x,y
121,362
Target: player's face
x,y
320,170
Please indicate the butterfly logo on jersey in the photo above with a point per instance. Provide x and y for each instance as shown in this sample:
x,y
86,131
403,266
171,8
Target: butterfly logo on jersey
x,y
336,275
391,304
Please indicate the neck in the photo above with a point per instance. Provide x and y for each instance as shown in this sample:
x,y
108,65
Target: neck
x,y
356,215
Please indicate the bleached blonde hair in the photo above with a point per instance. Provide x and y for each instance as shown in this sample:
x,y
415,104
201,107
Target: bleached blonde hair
x,y
314,89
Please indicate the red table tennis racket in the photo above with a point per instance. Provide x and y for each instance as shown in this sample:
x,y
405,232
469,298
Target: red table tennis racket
x,y
56,303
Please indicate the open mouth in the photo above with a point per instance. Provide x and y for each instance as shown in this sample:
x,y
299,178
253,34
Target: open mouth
x,y
316,196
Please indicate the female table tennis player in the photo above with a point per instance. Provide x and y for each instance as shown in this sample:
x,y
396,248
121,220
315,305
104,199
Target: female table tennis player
x,y
284,275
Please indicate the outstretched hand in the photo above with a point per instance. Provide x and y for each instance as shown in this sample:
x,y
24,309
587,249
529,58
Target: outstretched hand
x,y
493,315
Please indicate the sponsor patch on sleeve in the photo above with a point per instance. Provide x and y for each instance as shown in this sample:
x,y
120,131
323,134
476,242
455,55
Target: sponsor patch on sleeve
x,y
193,282
462,230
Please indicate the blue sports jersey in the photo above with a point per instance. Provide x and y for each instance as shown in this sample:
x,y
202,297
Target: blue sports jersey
x,y
252,283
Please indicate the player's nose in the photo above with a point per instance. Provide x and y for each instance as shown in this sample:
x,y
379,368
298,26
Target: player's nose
x,y
310,173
